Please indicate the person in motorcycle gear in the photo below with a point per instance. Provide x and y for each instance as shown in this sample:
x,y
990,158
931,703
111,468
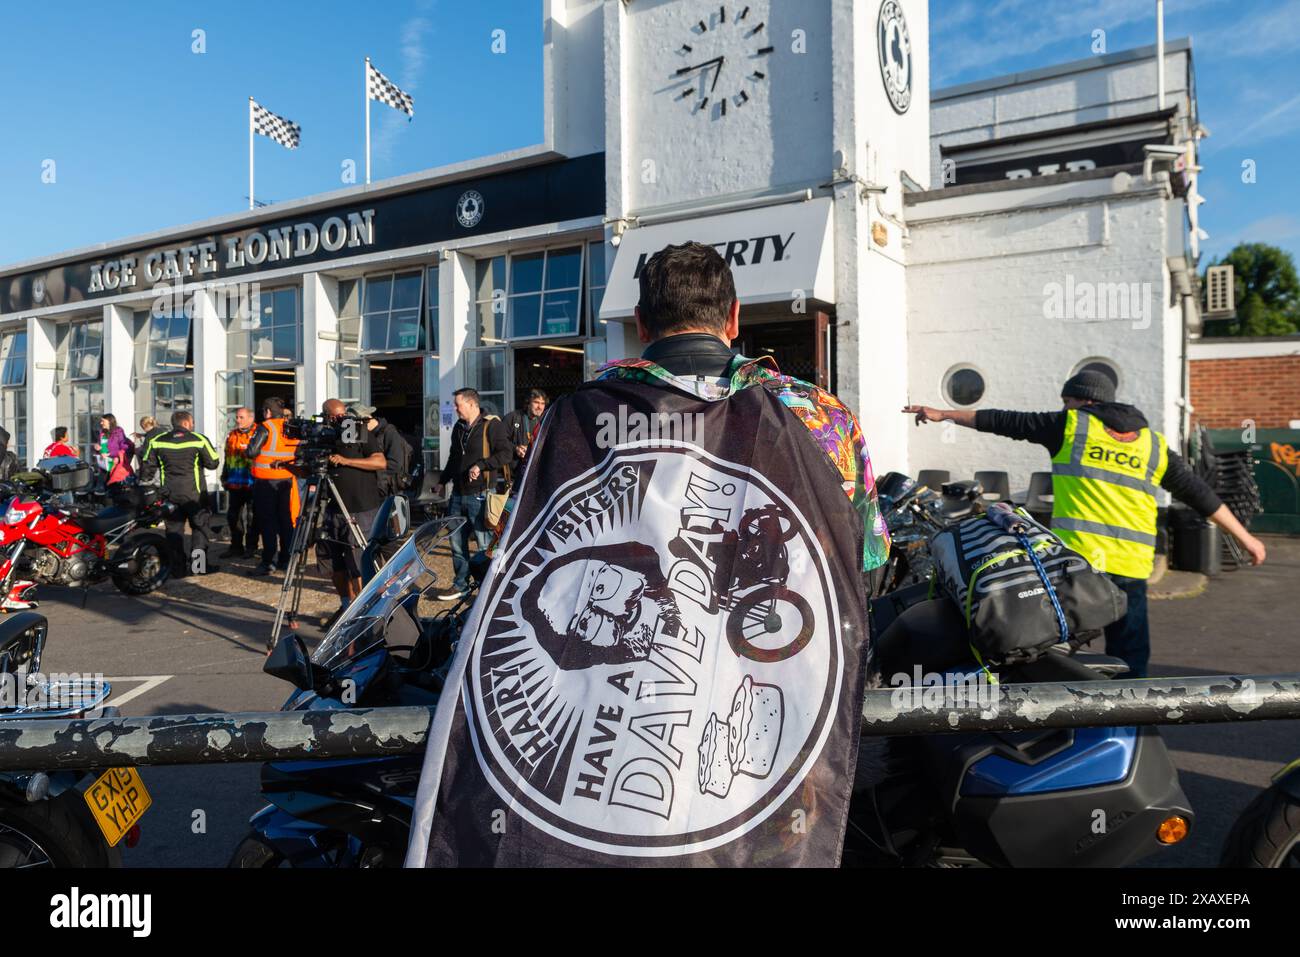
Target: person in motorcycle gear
x,y
178,458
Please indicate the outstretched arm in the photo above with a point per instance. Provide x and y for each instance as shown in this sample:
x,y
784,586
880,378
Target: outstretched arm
x,y
923,413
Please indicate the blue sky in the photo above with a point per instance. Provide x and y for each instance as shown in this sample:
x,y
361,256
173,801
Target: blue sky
x,y
147,134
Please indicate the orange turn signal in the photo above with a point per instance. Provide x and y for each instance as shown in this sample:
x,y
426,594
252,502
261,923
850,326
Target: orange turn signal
x,y
1172,829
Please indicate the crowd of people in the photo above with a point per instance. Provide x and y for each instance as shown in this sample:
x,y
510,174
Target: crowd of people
x,y
267,479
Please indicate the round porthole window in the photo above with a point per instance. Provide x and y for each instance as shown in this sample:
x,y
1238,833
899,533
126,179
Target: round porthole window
x,y
963,385
1104,366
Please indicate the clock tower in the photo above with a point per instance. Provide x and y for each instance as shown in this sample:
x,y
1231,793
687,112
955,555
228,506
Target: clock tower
x,y
734,121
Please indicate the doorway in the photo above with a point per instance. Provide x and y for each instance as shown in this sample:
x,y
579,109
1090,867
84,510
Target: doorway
x,y
556,370
275,382
397,393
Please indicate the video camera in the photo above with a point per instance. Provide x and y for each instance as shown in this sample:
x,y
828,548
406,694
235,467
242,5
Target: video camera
x,y
318,438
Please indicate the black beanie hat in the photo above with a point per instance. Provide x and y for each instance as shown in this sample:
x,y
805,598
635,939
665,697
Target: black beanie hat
x,y
1089,384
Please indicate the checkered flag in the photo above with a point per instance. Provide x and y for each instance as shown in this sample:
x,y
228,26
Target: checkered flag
x,y
288,134
381,88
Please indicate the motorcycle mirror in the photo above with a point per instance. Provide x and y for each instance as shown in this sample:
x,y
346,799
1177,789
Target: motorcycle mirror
x,y
289,661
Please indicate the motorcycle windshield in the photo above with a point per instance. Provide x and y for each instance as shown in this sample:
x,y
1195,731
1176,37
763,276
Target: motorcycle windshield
x,y
411,571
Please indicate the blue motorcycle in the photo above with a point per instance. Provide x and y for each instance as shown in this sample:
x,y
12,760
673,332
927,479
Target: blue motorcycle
x,y
381,652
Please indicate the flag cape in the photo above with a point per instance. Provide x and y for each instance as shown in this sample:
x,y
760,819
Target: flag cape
x,y
664,664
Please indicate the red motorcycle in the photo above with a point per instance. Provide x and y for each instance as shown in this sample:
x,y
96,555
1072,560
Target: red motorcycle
x,y
51,536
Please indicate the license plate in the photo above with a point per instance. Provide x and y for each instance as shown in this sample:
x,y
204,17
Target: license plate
x,y
117,800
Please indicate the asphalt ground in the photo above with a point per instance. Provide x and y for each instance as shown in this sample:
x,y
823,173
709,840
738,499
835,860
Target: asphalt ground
x,y
198,646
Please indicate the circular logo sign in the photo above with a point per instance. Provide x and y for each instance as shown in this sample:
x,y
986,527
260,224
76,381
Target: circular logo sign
x,y
895,45
657,664
38,289
469,208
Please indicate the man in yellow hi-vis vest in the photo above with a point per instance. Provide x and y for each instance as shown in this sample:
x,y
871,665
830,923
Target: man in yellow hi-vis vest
x,y
1107,463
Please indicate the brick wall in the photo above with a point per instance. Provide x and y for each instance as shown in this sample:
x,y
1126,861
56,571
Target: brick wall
x,y
1265,389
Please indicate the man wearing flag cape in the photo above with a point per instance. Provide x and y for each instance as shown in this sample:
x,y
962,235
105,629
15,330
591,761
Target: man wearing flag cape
x,y
664,665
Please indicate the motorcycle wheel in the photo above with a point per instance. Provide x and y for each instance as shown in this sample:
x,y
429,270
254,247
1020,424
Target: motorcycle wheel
x,y
58,832
1267,834
154,562
255,854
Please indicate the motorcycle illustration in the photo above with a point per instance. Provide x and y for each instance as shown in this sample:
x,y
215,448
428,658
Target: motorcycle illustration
x,y
743,571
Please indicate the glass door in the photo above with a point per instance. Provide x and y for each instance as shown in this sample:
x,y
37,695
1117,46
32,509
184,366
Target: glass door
x,y
485,371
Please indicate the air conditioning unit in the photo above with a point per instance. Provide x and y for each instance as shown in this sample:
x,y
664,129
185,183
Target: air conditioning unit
x,y
1220,293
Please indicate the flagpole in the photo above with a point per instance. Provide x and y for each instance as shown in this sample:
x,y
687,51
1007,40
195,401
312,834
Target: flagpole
x,y
250,152
365,92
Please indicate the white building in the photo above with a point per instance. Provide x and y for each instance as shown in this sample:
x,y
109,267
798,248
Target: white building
x,y
799,137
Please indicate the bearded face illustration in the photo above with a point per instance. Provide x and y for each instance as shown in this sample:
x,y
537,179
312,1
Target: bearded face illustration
x,y
601,605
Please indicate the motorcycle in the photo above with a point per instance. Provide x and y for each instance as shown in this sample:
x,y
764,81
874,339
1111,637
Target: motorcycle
x,y
52,536
1081,797
53,819
1267,833
915,513
380,652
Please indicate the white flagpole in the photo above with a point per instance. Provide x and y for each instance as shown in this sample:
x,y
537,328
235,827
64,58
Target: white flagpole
x,y
365,92
250,152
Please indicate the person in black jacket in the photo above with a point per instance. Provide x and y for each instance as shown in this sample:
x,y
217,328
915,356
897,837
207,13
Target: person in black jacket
x,y
179,458
9,463
480,450
1092,393
521,422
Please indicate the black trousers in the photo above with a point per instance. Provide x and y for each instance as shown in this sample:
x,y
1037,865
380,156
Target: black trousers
x,y
239,517
272,510
197,513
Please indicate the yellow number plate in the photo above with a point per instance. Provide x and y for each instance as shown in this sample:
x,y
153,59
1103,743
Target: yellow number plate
x,y
118,799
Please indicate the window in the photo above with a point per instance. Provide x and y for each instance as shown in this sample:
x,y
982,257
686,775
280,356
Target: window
x,y
87,410
1104,366
85,345
545,293
963,386
273,332
232,394
391,318
170,394
595,286
343,380
13,417
490,301
485,371
349,318
431,300
169,343
13,359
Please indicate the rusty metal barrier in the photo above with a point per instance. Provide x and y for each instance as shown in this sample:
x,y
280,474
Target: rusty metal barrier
x,y
50,743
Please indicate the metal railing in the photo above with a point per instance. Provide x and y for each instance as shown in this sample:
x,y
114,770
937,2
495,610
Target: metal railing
x,y
50,743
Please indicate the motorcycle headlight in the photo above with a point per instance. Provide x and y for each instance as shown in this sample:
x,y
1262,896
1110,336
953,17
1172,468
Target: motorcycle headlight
x,y
14,515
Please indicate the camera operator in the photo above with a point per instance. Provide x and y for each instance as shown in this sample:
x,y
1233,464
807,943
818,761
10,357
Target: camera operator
x,y
354,468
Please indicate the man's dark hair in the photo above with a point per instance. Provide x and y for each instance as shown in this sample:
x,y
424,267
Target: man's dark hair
x,y
180,420
686,287
60,433
468,393
537,394
275,405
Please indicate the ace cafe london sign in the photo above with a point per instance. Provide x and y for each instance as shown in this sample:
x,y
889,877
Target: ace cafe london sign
x,y
210,257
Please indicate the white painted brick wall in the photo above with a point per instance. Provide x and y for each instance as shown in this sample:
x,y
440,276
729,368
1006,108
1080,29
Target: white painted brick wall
x,y
975,294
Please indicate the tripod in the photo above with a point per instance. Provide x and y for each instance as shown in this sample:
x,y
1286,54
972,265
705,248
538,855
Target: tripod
x,y
305,534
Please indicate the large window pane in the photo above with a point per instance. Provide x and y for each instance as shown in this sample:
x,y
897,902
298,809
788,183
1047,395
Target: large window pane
x,y
524,315
560,313
13,354
564,268
404,331
406,291
379,294
526,272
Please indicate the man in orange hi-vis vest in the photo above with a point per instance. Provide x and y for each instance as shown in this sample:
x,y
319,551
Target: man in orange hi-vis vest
x,y
275,487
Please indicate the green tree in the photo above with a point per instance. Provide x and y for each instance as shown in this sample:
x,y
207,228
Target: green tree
x,y
1267,290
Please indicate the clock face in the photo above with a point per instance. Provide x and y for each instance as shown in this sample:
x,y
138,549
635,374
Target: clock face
x,y
723,60
895,45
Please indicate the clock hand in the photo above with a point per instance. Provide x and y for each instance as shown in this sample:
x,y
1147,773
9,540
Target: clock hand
x,y
716,73
691,69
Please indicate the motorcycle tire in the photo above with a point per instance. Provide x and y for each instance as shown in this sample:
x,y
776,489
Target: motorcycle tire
x,y
138,584
57,832
1267,834
253,853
